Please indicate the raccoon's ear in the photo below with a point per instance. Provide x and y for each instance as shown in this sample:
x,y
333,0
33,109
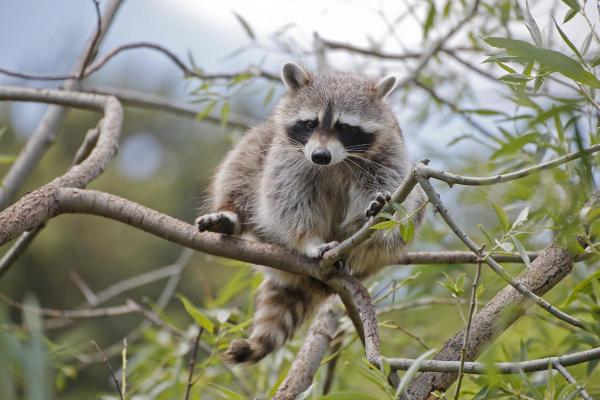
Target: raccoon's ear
x,y
294,76
385,87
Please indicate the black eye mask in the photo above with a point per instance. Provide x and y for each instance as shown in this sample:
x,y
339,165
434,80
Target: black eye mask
x,y
302,129
354,138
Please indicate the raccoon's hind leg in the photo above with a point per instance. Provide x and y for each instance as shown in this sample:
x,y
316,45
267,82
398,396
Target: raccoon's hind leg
x,y
280,310
226,222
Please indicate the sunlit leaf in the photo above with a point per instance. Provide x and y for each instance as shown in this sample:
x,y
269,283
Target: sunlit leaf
x,y
551,60
206,111
198,316
502,217
385,225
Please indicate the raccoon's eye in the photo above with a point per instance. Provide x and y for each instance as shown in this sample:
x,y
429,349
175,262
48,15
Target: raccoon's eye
x,y
344,128
310,124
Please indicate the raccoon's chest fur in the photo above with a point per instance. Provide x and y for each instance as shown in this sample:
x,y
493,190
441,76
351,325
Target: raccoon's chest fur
x,y
298,201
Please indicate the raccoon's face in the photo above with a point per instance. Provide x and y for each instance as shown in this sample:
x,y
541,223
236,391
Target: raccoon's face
x,y
334,115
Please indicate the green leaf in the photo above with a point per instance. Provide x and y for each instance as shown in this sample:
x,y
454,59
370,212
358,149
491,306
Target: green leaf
x,y
569,15
550,60
201,319
522,252
430,19
502,217
573,4
522,217
568,42
532,26
515,78
6,159
483,111
515,145
225,114
206,111
225,393
542,117
581,286
585,46
486,234
245,26
385,225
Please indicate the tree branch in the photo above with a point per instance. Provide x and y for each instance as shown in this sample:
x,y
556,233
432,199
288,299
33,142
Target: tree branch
x,y
134,98
43,135
308,359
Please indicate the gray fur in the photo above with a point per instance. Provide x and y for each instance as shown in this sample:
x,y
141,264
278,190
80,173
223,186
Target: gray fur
x,y
281,197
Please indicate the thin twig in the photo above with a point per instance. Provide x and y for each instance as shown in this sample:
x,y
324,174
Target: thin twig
x,y
569,378
18,248
110,368
434,198
478,368
191,365
453,179
472,307
96,66
44,134
91,51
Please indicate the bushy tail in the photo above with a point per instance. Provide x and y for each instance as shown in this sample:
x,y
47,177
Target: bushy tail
x,y
280,310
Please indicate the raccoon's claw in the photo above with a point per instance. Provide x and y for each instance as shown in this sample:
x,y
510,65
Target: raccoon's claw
x,y
225,222
376,205
321,250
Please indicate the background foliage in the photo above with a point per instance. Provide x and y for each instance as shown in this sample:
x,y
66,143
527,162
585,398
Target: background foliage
x,y
513,87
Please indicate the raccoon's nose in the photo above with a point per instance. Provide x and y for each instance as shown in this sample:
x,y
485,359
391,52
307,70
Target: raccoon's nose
x,y
321,156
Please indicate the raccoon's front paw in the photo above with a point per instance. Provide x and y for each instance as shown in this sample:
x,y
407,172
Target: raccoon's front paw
x,y
225,222
317,251
376,205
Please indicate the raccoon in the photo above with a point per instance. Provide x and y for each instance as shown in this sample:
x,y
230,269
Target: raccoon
x,y
303,179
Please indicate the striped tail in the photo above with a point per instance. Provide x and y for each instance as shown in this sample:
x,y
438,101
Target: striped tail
x,y
280,310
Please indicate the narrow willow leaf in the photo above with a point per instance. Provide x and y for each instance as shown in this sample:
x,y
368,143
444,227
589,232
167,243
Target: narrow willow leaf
x,y
385,225
573,4
522,252
411,372
6,159
502,217
245,26
585,46
522,217
549,60
566,39
532,26
225,113
206,111
430,19
515,145
515,78
198,316
569,15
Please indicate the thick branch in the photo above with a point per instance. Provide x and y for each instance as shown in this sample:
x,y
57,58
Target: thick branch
x,y
308,359
552,265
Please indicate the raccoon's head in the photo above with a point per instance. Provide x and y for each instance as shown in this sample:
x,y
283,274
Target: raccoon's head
x,y
334,115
